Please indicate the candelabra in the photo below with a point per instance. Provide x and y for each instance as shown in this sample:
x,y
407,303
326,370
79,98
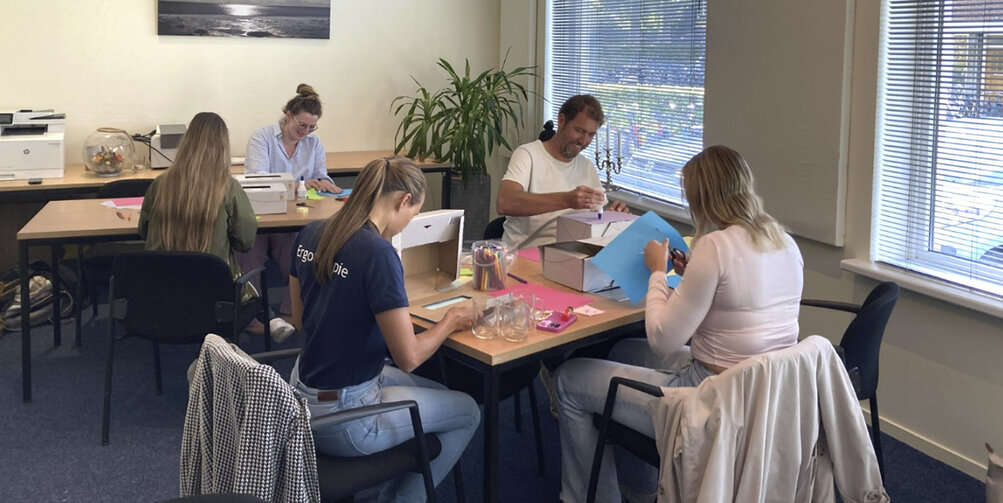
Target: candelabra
x,y
609,167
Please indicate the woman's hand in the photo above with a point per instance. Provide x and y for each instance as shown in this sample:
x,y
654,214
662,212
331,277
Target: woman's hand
x,y
679,261
322,185
460,318
656,256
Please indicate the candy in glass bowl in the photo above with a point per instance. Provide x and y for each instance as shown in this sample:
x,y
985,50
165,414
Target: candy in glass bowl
x,y
107,151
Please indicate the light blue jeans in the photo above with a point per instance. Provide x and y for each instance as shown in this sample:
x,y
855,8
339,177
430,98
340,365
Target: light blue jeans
x,y
453,416
582,384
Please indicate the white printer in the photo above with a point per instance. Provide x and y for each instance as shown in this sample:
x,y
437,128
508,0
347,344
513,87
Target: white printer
x,y
284,178
266,197
164,145
31,144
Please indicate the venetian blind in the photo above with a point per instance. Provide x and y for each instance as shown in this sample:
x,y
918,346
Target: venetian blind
x,y
644,61
939,183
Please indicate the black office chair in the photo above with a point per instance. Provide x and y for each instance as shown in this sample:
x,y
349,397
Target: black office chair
x,y
612,432
175,298
861,346
96,261
495,229
341,477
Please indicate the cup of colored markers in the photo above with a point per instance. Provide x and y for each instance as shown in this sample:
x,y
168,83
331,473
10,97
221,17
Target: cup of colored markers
x,y
491,261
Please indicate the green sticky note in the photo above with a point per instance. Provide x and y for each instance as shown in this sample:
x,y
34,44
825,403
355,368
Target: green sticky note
x,y
312,194
466,271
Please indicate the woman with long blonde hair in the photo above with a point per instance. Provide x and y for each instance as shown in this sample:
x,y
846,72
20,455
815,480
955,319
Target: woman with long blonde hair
x,y
739,297
347,289
197,206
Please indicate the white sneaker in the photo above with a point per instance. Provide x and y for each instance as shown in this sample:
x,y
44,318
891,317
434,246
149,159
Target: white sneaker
x,y
280,329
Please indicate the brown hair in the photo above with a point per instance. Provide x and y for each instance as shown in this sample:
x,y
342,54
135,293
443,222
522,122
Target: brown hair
x,y
720,190
193,189
380,177
580,103
306,100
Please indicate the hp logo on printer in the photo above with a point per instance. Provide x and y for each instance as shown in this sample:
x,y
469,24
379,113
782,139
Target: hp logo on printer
x,y
26,151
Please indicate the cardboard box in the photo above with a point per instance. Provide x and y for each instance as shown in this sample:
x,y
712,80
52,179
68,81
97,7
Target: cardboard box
x,y
430,248
587,225
286,179
266,198
570,264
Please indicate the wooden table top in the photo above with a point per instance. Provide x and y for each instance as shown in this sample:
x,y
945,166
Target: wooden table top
x,y
88,218
76,177
498,350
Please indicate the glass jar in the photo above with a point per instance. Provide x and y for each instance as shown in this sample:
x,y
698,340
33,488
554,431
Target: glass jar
x,y
107,151
491,261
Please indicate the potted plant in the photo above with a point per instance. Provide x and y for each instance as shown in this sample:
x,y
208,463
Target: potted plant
x,y
462,124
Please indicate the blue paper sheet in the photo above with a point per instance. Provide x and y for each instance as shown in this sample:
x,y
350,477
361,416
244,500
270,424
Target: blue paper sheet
x,y
623,258
343,193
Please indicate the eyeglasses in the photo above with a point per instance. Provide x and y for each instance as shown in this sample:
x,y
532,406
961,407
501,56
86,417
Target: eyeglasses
x,y
308,127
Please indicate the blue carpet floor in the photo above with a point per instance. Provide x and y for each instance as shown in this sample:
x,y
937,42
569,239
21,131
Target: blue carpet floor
x,y
50,449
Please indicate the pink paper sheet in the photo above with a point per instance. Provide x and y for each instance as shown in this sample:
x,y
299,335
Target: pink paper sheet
x,y
530,254
127,201
553,300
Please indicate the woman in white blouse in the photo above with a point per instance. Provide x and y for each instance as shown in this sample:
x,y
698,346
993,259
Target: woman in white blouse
x,y
739,297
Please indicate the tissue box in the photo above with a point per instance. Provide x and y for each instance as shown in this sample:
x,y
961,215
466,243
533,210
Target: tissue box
x,y
266,198
286,179
586,225
570,264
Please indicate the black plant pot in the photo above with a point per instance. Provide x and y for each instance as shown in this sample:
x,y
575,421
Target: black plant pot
x,y
473,196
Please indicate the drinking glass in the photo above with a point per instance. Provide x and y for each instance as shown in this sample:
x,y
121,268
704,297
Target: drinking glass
x,y
516,320
538,311
486,324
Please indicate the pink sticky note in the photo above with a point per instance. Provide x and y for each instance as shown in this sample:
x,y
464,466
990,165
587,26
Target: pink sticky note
x,y
530,254
553,300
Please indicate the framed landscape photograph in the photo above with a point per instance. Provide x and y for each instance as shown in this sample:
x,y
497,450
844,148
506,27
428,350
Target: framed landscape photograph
x,y
245,18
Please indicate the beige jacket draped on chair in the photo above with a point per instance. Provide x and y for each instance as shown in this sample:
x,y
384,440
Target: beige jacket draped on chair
x,y
776,427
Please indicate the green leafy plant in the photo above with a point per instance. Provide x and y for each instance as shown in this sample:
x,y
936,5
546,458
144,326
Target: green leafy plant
x,y
463,122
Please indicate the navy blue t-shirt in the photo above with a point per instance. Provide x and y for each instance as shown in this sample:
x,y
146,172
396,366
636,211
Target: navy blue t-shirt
x,y
344,345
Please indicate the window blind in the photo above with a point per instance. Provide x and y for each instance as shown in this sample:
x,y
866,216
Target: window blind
x,y
939,153
644,61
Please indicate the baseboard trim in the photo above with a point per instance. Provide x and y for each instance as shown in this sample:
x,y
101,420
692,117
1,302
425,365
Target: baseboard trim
x,y
969,466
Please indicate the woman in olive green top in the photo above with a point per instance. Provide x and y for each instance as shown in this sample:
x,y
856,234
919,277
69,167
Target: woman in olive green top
x,y
197,206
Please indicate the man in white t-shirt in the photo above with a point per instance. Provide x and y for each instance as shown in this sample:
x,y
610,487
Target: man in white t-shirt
x,y
546,179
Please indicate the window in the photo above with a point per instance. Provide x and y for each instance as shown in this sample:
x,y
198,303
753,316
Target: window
x,y
939,183
644,61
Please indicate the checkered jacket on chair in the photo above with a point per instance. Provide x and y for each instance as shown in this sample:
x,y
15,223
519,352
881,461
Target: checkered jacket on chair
x,y
246,431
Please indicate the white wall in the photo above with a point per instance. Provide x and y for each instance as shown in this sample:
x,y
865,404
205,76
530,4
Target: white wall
x,y
103,64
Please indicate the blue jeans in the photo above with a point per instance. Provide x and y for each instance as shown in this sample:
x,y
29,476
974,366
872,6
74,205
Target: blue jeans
x,y
453,416
582,384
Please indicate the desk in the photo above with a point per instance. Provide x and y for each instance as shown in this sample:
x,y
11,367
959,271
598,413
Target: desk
x,y
85,221
77,181
19,200
493,357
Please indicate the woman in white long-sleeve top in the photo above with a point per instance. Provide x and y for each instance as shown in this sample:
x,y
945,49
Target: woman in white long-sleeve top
x,y
739,297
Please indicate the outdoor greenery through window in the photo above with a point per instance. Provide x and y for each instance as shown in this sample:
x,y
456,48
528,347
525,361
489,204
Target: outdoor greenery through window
x,y
939,189
644,61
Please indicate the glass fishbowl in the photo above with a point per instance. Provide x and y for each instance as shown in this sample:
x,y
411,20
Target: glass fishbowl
x,y
107,151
